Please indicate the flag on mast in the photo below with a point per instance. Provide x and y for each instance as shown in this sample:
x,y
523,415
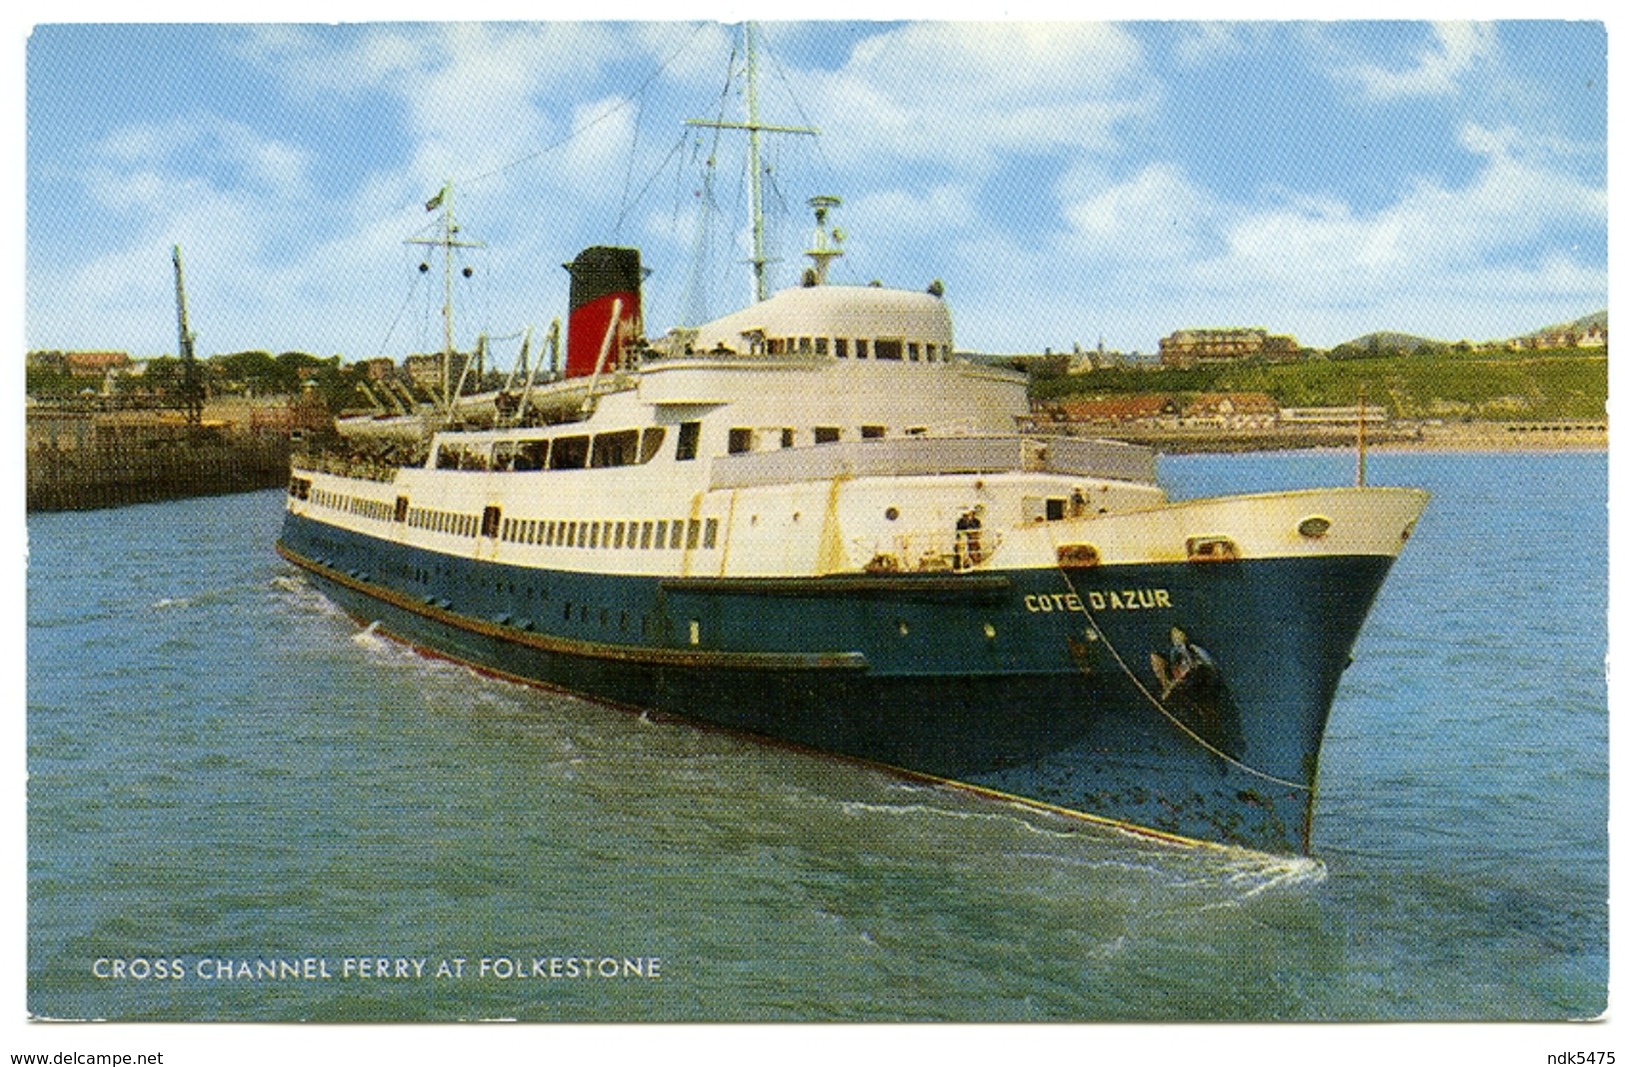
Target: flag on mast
x,y
434,201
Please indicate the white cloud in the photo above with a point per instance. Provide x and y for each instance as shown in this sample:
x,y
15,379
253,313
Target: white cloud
x,y
1158,214
1203,42
1423,241
963,95
232,152
596,154
1458,47
898,214
1469,260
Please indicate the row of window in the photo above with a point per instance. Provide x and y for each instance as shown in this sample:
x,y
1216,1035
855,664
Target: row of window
x,y
355,505
652,534
621,448
655,534
892,348
617,448
751,439
452,522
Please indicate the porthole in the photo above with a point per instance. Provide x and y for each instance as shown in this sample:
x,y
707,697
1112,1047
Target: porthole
x,y
891,514
1315,526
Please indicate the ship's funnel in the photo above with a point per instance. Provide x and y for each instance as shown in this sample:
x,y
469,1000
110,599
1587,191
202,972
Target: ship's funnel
x,y
606,309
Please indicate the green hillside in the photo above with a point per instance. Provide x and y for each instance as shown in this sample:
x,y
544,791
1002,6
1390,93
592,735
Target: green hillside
x,y
1556,384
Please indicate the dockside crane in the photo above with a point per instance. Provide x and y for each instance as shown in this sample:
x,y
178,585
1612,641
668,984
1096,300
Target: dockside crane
x,y
191,373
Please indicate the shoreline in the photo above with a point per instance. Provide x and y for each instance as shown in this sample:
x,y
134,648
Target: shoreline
x,y
1475,437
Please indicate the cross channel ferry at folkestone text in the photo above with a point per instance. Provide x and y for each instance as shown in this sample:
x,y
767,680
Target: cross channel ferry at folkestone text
x,y
810,522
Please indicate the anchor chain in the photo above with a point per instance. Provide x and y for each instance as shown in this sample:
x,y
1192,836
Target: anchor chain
x,y
1158,704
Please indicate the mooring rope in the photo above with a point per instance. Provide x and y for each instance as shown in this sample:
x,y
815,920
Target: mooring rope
x,y
1083,602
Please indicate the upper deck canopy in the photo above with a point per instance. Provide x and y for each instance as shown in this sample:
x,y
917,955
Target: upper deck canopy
x,y
833,312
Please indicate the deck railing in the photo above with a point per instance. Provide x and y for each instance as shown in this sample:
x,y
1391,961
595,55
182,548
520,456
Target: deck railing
x,y
912,456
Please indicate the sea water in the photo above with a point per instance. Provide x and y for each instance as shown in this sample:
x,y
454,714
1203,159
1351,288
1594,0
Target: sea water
x,y
244,805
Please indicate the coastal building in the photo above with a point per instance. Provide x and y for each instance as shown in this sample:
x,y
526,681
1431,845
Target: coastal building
x,y
1593,334
426,371
381,369
1097,358
1189,348
1351,415
94,364
1595,337
1143,409
1231,411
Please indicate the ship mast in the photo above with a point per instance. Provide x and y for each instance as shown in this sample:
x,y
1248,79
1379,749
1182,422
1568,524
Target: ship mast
x,y
756,128
445,242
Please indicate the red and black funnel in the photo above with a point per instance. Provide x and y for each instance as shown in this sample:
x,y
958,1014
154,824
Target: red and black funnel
x,y
606,308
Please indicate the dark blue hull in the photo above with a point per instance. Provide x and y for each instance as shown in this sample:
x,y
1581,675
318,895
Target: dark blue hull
x,y
1062,689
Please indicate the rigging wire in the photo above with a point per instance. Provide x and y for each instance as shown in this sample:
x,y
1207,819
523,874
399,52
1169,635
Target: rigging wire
x,y
675,151
575,132
631,162
642,88
401,311
697,292
795,101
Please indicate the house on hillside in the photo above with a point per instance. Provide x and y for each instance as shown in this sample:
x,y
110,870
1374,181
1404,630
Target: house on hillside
x,y
1232,411
1143,409
426,371
1593,336
95,364
1190,348
381,369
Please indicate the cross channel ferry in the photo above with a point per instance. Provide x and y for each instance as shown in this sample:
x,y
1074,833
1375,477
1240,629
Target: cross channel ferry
x,y
810,521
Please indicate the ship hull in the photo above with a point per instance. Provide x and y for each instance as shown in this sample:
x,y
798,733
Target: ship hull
x,y
1041,685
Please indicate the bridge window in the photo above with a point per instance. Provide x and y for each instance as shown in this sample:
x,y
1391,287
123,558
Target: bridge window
x,y
569,453
653,438
618,449
889,349
824,435
531,456
741,439
688,440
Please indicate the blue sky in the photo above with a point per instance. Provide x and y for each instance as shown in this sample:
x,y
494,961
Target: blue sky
x,y
1068,182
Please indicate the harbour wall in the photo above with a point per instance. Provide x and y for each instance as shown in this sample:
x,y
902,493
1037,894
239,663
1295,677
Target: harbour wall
x,y
80,461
